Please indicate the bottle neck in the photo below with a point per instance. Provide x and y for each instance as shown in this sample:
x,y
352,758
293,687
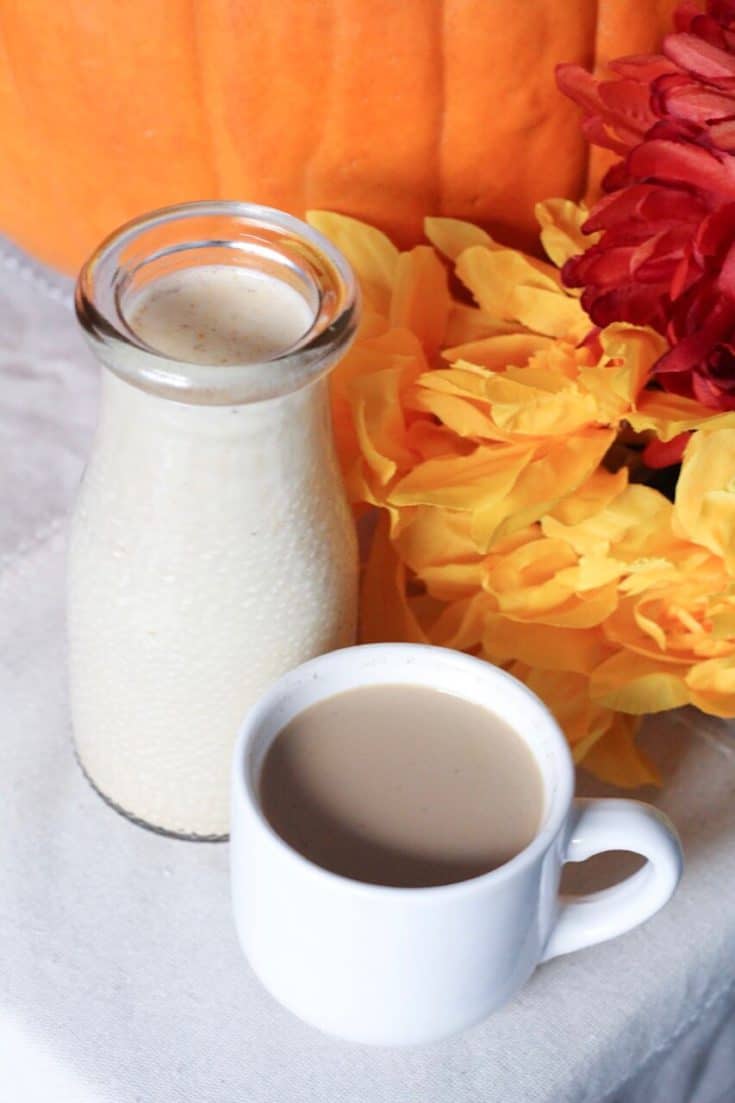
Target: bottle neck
x,y
296,421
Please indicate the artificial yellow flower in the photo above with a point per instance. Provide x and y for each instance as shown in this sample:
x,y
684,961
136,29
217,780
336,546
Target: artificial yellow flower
x,y
670,634
705,493
491,429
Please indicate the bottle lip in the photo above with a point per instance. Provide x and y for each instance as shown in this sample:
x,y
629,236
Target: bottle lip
x,y
236,231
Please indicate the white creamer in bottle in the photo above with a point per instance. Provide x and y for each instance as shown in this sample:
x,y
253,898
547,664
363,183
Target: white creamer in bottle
x,y
212,547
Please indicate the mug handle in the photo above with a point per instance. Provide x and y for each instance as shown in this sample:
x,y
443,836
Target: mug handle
x,y
599,825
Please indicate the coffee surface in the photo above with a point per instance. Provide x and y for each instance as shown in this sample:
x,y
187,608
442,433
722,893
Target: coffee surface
x,y
402,785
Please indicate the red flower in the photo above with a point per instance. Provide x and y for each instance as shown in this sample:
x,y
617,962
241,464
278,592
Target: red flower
x,y
666,255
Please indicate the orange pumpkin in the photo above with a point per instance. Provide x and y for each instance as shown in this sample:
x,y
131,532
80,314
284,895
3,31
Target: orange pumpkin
x,y
384,109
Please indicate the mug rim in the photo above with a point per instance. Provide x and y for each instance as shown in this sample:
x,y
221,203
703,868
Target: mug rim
x,y
560,798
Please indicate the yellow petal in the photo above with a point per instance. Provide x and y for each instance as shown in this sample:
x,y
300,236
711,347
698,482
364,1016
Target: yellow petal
x,y
430,441
590,573
364,358
461,415
629,353
463,482
420,299
553,605
616,759
451,236
469,323
591,498
386,349
630,682
723,624
561,229
712,685
552,369
629,524
494,276
526,409
704,510
544,646
565,694
559,470
371,324
542,581
379,421
649,627
555,314
670,414
464,379
368,405
385,615
454,581
499,350
373,355
462,623
530,560
426,536
649,573
372,255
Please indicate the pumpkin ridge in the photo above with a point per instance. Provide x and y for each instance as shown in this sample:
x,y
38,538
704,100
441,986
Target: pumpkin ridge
x,y
441,112
317,149
199,69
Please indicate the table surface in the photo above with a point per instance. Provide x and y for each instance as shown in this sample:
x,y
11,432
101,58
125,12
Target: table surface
x,y
120,977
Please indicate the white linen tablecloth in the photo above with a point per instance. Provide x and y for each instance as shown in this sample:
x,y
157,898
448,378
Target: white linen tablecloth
x,y
120,977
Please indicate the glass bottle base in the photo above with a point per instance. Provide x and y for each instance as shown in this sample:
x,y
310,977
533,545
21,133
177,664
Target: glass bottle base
x,y
155,828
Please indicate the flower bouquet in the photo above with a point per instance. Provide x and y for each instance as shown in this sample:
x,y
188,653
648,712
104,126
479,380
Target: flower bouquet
x,y
550,444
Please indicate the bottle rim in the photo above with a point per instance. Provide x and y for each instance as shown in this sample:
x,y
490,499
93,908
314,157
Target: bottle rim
x,y
206,232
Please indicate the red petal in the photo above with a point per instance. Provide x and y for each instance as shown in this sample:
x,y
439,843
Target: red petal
x,y
685,14
598,133
726,276
697,56
723,134
632,302
683,276
703,311
659,453
642,67
656,260
706,390
673,129
608,266
683,357
654,204
715,232
617,176
684,164
629,103
688,99
706,28
633,233
617,112
580,86
723,11
676,384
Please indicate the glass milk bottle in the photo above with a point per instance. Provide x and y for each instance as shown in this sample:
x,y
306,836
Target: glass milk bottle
x,y
212,547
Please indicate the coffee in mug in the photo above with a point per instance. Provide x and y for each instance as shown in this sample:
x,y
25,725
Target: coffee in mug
x,y
402,785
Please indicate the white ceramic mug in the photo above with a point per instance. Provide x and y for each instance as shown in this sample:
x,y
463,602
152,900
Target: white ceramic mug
x,y
409,965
